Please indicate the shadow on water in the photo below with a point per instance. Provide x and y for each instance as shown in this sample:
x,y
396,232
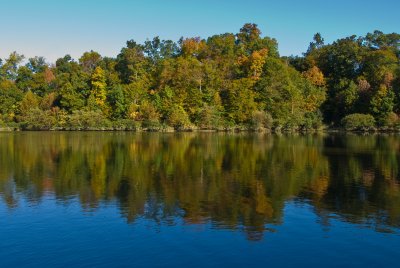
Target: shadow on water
x,y
233,181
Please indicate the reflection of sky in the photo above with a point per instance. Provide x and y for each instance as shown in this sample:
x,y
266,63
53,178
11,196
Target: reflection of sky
x,y
54,28
63,235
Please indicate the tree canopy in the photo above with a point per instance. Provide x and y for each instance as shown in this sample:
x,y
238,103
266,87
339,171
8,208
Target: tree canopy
x,y
224,81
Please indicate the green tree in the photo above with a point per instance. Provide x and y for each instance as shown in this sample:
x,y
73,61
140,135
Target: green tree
x,y
9,69
382,104
117,102
89,61
10,97
238,101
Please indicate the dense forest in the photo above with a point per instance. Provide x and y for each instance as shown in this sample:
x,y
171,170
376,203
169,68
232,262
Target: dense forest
x,y
227,81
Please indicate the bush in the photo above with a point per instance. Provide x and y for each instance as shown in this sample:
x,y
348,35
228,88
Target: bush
x,y
261,120
209,118
125,124
392,120
36,119
312,120
152,124
359,122
291,123
144,112
88,120
178,118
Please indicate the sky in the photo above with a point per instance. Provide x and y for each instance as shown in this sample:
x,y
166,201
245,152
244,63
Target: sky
x,y
54,28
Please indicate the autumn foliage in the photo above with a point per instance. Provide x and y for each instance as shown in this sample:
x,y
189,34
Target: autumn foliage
x,y
223,82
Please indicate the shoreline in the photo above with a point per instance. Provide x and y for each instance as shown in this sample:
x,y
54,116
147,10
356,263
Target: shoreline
x,y
221,130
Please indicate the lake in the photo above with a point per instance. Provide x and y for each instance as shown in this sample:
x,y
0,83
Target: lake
x,y
121,199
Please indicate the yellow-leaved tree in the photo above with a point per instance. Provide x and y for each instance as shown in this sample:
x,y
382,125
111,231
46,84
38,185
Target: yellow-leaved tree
x,y
98,95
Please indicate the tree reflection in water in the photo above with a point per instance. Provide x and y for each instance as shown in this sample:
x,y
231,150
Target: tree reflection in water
x,y
235,181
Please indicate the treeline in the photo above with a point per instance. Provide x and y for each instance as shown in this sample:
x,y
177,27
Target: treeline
x,y
227,81
361,76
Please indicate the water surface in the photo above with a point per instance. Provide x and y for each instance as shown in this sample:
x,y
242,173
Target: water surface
x,y
91,199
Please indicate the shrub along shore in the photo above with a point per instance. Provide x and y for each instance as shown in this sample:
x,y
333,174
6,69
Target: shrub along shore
x,y
227,82
353,123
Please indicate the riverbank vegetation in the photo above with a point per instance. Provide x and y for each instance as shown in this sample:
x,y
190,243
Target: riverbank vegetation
x,y
227,81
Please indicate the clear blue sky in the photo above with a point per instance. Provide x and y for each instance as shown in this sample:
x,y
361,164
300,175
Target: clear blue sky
x,y
53,28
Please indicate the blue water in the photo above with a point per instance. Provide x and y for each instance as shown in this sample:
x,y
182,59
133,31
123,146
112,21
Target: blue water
x,y
53,235
63,231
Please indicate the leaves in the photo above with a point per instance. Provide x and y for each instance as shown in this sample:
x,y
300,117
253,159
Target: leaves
x,y
226,79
